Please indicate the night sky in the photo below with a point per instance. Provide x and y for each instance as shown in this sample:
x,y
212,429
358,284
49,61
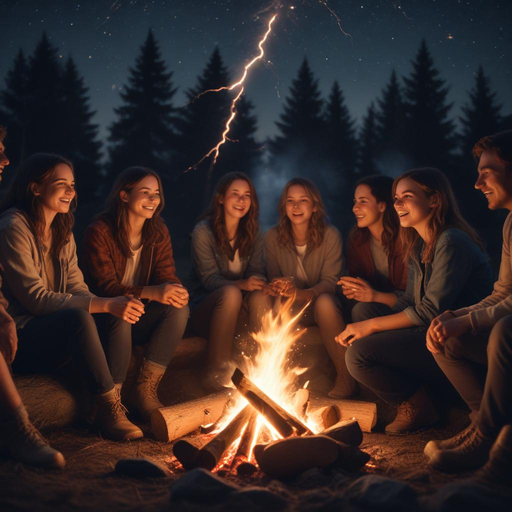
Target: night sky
x,y
104,37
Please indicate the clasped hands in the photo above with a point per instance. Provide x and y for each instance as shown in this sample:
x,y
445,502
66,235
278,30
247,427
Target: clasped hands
x,y
443,327
281,287
173,294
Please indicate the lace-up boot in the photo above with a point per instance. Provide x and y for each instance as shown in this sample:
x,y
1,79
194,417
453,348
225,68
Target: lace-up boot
x,y
414,414
146,389
111,418
23,442
472,453
450,443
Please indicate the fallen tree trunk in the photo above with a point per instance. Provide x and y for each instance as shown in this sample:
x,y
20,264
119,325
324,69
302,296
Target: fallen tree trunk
x,y
175,421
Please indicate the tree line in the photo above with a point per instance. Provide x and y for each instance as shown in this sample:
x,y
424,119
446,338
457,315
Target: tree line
x,y
45,106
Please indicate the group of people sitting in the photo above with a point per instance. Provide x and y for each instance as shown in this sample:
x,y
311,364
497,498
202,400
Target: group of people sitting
x,y
414,307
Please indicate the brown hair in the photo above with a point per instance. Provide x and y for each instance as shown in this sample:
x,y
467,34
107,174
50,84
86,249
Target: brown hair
x,y
36,169
116,210
380,187
317,223
248,226
3,133
501,142
446,213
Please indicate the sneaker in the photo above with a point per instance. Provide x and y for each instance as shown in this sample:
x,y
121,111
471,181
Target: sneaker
x,y
450,443
413,414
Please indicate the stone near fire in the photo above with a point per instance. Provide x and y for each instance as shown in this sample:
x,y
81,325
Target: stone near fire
x,y
258,498
201,486
373,492
141,468
294,455
350,458
348,432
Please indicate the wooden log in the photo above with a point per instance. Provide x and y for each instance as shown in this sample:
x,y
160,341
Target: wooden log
x,y
348,432
244,448
186,450
364,412
329,416
175,421
211,453
300,402
280,419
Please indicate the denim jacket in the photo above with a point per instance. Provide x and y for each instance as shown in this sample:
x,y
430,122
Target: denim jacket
x,y
459,275
211,265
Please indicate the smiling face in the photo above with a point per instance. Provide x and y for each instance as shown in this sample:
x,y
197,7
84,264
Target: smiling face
x,y
494,181
367,210
299,205
57,190
237,200
143,199
413,206
4,161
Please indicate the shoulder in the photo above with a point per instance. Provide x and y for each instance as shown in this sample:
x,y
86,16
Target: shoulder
x,y
99,226
15,220
507,225
332,235
454,236
202,232
271,235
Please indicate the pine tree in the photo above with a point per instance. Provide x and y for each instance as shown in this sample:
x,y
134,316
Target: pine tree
x,y
79,134
482,114
369,143
14,101
430,134
143,132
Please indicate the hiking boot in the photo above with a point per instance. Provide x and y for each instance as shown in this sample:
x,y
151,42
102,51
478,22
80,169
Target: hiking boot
x,y
23,442
472,453
111,418
450,443
145,392
497,472
414,414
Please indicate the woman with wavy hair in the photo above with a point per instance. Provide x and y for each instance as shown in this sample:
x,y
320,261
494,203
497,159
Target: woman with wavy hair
x,y
448,269
128,252
48,299
305,247
227,254
374,253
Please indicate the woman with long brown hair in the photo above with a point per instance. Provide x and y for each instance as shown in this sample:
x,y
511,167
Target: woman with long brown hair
x,y
227,253
305,247
48,299
447,270
374,252
128,252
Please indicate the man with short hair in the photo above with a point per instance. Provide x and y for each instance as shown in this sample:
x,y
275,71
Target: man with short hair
x,y
18,437
473,345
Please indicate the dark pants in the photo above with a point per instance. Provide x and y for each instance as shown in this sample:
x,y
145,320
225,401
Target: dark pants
x,y
480,368
46,342
394,364
161,327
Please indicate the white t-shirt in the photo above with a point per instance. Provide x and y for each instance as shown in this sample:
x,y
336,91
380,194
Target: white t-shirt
x,y
132,272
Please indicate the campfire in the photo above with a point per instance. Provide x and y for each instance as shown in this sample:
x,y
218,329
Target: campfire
x,y
266,421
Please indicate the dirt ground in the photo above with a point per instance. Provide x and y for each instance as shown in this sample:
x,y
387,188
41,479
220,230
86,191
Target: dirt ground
x,y
88,482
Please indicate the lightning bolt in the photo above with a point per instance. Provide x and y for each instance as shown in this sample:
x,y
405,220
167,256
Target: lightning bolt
x,y
335,16
216,149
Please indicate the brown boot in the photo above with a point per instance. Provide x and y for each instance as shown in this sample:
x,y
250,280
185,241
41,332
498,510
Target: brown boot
x,y
414,414
145,393
497,472
111,418
25,443
450,443
472,453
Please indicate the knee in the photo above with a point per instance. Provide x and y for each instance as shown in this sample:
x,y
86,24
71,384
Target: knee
x,y
325,302
259,300
500,339
355,359
363,311
80,318
229,297
454,349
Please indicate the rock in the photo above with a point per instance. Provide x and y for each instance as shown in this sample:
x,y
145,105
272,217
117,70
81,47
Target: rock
x,y
350,458
465,495
141,468
348,432
257,497
313,478
294,455
381,493
201,486
246,469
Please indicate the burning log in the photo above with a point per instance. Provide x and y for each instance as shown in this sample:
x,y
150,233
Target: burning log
x,y
244,448
364,412
186,450
280,419
175,421
300,402
348,432
211,453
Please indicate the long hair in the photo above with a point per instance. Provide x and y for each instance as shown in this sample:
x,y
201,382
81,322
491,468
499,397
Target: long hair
x,y
380,187
446,212
317,223
35,170
248,226
116,210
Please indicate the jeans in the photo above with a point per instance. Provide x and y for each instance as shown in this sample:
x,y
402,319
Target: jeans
x,y
45,341
161,327
480,368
